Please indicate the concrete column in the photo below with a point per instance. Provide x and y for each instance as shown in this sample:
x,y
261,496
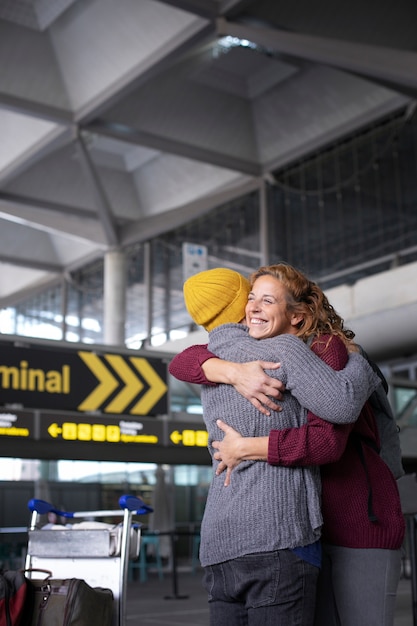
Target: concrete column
x,y
115,284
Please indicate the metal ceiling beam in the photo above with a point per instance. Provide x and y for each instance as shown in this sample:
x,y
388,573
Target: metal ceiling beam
x,y
57,219
16,201
31,263
55,275
151,227
171,146
100,198
36,109
388,66
235,7
203,8
209,9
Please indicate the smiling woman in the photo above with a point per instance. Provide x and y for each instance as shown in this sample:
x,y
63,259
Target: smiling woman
x,y
363,524
249,574
267,313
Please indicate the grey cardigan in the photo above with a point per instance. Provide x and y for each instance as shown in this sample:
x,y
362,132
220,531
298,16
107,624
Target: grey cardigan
x,y
267,507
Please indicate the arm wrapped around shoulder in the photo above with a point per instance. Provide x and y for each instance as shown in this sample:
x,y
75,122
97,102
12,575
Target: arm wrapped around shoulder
x,y
336,396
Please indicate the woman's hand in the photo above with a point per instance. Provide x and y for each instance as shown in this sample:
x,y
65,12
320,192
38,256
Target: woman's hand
x,y
250,380
227,451
233,449
255,385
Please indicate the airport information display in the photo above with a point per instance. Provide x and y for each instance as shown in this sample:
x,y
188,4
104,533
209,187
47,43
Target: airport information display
x,y
66,397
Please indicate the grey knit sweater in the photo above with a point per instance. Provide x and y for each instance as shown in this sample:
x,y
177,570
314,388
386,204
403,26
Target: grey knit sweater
x,y
267,507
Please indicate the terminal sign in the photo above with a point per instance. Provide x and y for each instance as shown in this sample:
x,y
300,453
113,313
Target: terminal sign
x,y
82,381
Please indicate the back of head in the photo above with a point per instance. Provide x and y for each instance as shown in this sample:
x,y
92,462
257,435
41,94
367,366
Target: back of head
x,y
216,297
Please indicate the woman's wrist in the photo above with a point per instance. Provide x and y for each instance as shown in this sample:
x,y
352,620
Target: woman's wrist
x,y
253,449
219,371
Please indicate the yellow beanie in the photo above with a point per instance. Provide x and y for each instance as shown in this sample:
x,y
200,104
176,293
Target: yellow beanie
x,y
216,297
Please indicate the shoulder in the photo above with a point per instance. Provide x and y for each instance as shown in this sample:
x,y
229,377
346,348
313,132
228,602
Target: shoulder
x,y
229,329
324,343
331,349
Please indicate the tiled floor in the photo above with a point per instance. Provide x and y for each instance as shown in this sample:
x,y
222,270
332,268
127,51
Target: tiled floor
x,y
167,602
183,602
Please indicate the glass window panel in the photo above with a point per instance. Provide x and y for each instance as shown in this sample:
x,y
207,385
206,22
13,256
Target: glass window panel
x,y
349,204
136,298
41,315
84,318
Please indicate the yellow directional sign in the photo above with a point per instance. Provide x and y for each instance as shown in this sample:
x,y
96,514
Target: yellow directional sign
x,y
75,435
131,388
95,429
54,430
176,437
107,382
157,387
82,380
133,385
190,437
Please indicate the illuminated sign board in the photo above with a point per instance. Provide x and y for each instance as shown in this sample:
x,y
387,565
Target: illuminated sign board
x,y
16,424
101,430
73,427
187,435
82,380
64,402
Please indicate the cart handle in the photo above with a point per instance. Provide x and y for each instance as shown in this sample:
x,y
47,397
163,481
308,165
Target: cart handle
x,y
132,503
42,507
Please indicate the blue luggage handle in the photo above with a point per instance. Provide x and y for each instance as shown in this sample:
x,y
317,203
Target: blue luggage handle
x,y
132,503
135,504
42,507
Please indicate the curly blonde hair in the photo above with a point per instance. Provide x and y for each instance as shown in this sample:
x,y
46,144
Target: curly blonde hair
x,y
305,298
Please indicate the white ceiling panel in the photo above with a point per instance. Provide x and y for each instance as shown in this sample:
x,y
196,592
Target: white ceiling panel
x,y
119,118
101,45
20,136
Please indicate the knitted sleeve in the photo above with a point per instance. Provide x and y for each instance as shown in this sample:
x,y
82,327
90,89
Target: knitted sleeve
x,y
317,442
337,396
187,364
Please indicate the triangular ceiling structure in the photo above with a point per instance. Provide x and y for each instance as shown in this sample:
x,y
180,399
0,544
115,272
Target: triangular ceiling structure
x,y
120,118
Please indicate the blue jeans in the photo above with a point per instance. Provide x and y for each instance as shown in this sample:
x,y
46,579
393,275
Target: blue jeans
x,y
265,589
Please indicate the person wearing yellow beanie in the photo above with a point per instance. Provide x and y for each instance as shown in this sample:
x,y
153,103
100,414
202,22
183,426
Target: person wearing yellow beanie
x,y
259,538
216,296
229,553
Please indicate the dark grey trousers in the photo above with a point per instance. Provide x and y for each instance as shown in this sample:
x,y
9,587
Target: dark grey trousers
x,y
357,587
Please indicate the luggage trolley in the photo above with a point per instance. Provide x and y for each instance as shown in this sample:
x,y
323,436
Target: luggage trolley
x,y
99,555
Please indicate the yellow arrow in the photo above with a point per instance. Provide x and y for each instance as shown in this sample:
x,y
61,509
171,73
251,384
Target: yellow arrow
x,y
54,430
107,385
132,384
175,436
157,387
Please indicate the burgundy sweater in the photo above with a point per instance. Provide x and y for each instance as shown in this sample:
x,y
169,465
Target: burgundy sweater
x,y
351,466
